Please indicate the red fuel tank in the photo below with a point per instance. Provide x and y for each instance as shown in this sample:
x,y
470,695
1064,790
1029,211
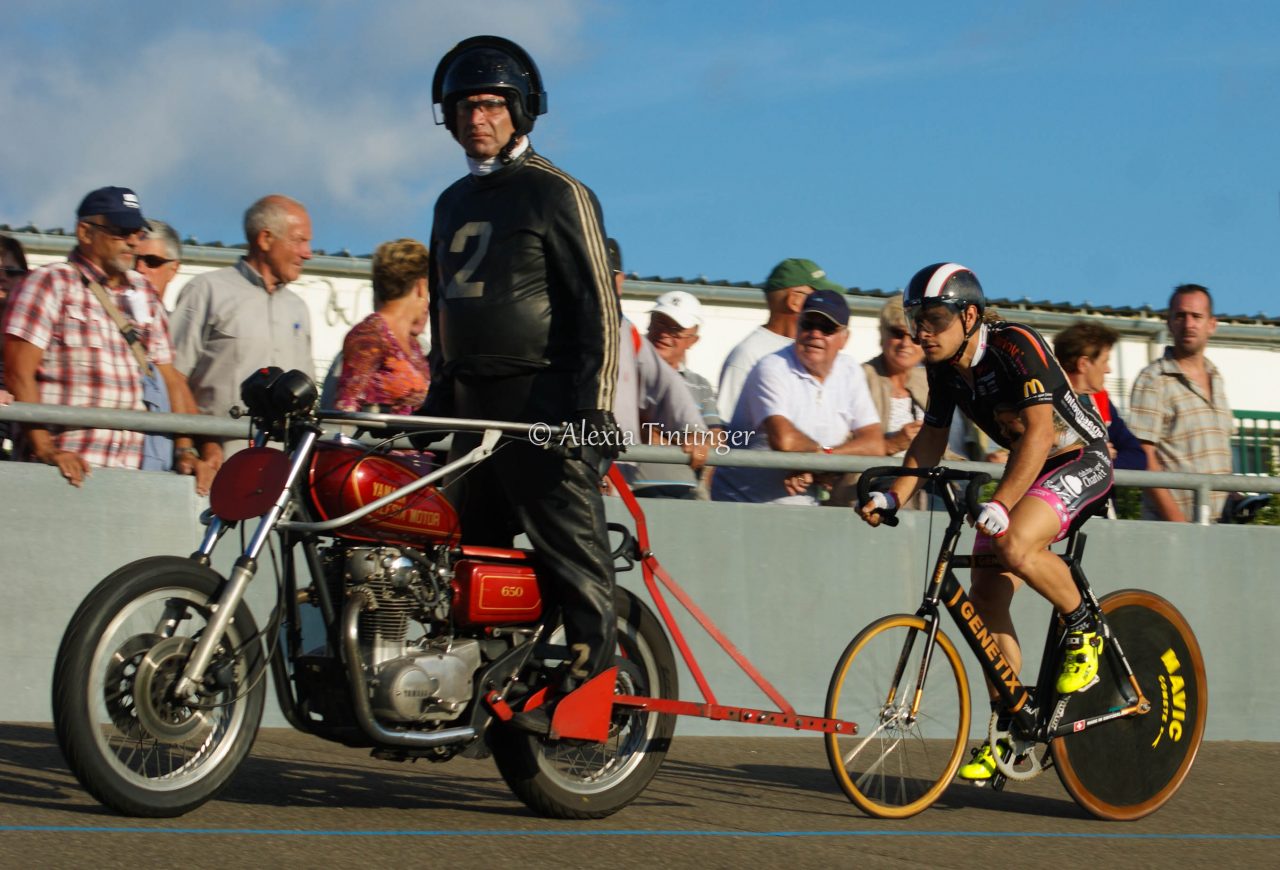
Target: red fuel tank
x,y
345,476
495,593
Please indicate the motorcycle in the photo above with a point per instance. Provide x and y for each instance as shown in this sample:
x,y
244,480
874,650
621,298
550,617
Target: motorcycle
x,y
428,644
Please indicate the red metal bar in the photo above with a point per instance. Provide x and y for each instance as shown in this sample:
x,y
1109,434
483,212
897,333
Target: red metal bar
x,y
650,566
736,714
659,600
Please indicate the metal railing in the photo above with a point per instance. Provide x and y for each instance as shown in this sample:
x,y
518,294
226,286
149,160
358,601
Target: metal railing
x,y
1202,485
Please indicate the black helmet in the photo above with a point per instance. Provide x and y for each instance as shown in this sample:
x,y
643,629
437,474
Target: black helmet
x,y
947,284
489,64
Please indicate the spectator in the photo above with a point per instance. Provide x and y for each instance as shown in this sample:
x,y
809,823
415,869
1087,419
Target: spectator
x,y
653,405
231,321
158,255
1178,408
673,330
784,292
807,398
898,384
1084,350
63,346
13,269
383,367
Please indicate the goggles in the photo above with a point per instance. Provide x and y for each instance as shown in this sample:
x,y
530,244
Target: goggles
x,y
931,317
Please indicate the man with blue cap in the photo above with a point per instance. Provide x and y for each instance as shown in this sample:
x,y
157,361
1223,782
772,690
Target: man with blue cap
x,y
805,398
83,333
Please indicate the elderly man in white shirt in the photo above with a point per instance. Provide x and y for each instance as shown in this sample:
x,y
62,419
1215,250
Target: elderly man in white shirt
x,y
806,398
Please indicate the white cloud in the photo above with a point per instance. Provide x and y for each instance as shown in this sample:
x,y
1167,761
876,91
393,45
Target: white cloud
x,y
329,103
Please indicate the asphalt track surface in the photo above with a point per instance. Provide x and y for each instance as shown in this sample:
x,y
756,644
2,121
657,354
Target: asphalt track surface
x,y
301,802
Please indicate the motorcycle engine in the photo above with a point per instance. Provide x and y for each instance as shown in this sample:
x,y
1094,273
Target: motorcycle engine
x,y
419,672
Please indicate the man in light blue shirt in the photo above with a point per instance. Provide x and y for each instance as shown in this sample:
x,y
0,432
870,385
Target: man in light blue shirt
x,y
806,398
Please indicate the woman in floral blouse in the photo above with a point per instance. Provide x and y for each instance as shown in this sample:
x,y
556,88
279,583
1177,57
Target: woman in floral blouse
x,y
383,367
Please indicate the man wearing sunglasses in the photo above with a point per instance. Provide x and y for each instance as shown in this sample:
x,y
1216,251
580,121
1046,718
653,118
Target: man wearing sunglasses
x,y
806,398
1004,377
62,346
784,293
158,255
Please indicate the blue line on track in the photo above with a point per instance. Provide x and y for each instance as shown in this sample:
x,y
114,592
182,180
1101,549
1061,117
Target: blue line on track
x,y
287,832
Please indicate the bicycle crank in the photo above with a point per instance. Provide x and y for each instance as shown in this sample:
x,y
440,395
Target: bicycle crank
x,y
1025,762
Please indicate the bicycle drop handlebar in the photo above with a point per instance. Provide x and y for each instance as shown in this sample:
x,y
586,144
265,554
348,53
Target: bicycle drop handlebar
x,y
975,481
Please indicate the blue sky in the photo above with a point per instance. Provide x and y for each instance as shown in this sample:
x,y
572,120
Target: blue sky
x,y
1079,152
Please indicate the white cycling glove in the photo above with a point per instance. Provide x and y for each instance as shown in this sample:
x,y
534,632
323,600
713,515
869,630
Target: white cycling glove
x,y
993,519
883,501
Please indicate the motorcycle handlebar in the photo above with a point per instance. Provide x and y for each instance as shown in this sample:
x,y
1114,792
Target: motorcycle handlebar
x,y
975,481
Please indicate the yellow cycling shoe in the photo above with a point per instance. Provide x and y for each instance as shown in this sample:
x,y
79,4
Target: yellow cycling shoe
x,y
983,764
1079,662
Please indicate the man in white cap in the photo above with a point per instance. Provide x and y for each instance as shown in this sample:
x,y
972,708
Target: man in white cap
x,y
673,329
651,401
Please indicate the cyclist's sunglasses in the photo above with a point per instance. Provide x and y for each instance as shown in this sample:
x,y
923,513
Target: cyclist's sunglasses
x,y
933,317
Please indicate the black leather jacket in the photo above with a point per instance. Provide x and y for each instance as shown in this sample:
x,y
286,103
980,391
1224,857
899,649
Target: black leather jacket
x,y
524,318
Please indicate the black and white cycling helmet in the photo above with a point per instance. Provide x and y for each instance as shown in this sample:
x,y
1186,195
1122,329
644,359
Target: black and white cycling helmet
x,y
489,65
948,284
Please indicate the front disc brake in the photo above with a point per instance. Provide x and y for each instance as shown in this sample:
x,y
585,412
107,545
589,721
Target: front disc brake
x,y
159,712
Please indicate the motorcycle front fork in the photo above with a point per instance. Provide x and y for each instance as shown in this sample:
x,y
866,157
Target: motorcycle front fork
x,y
245,567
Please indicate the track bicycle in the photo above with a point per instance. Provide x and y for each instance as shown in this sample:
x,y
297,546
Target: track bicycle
x,y
1121,748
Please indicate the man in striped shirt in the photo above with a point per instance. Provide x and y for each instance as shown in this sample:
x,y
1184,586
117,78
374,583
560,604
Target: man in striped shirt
x,y
1179,411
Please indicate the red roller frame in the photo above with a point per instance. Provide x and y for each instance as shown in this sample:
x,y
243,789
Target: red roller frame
x,y
785,716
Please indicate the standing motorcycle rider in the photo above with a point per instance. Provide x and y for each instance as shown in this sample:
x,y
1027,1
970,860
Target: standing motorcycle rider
x,y
1005,378
524,327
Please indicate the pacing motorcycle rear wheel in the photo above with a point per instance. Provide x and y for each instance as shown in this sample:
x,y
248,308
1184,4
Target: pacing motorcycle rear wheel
x,y
132,744
573,779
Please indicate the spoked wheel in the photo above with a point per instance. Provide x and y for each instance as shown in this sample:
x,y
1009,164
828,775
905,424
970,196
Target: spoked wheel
x,y
130,741
909,743
575,779
1127,768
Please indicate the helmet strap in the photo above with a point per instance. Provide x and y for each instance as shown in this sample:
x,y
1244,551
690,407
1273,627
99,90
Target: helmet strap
x,y
506,155
968,336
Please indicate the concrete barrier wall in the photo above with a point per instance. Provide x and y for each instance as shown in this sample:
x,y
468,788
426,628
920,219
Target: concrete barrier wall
x,y
790,587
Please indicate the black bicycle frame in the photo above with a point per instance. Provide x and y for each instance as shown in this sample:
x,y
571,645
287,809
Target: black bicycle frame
x,y
944,590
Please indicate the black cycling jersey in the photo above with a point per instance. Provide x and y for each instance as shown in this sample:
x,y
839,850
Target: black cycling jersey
x,y
1012,369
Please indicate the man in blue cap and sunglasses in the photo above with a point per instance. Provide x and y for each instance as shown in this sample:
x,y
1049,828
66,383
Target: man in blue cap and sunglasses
x,y
806,398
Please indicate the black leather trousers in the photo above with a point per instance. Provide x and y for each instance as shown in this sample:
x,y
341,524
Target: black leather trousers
x,y
556,501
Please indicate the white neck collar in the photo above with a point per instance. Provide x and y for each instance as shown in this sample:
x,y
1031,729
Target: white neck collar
x,y
490,165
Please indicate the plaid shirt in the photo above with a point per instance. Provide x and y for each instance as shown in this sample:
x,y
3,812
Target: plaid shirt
x,y
1191,431
87,362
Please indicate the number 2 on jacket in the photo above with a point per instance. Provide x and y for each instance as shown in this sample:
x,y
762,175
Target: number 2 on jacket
x,y
460,287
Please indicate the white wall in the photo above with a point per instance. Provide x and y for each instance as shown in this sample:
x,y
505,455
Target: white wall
x,y
338,303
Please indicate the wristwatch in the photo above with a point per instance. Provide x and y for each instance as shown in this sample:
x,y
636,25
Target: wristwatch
x,y
185,451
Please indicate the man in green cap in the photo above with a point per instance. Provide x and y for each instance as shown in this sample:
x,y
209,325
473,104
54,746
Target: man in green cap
x,y
790,282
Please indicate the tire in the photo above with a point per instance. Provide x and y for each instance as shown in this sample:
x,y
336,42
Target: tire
x,y
1128,768
894,768
127,744
573,779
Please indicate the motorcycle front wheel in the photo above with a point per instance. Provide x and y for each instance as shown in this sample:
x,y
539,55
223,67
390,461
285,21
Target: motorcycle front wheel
x,y
128,739
575,779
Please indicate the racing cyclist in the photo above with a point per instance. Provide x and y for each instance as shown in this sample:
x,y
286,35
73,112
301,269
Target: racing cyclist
x,y
1005,378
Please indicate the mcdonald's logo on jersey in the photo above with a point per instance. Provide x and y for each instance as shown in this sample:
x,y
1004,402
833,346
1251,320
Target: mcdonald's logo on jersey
x,y
1031,387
